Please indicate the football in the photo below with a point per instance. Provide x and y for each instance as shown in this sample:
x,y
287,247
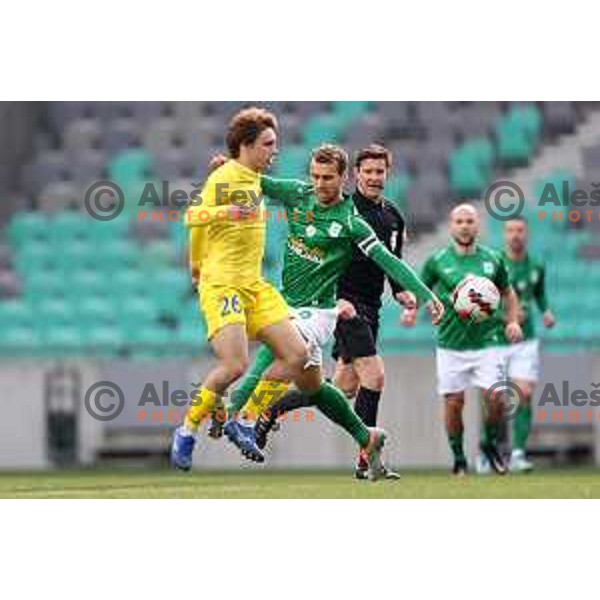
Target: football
x,y
476,298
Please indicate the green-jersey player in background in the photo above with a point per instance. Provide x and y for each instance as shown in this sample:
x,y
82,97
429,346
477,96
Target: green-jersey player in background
x,y
468,353
527,277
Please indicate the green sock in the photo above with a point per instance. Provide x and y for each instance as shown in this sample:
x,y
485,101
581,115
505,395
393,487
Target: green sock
x,y
333,404
455,439
490,433
263,360
521,428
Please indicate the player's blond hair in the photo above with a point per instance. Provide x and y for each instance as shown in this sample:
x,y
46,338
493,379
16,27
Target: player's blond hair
x,y
331,154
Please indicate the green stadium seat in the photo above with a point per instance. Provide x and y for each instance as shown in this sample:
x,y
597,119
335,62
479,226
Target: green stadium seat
x,y
18,341
118,254
467,177
529,118
159,254
94,309
130,165
103,340
27,226
64,341
292,162
75,255
350,111
69,224
175,281
151,341
41,282
136,311
514,145
15,313
127,282
54,312
88,282
35,256
190,337
107,231
482,152
396,189
322,129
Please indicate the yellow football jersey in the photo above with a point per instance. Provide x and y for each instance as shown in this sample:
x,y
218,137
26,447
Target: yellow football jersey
x,y
232,250
198,246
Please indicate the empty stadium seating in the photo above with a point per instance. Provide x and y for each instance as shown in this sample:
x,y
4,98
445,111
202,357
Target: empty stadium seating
x,y
70,285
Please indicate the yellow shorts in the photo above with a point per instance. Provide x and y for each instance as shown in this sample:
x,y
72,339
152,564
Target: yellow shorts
x,y
257,306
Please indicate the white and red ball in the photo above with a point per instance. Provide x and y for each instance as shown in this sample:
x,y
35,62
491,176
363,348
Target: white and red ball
x,y
476,298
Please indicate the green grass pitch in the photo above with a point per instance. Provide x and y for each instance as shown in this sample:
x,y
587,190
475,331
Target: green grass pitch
x,y
576,483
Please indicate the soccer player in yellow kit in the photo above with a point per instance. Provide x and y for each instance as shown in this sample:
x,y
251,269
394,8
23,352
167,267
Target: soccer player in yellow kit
x,y
237,302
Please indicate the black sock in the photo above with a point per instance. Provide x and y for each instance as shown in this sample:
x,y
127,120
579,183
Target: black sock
x,y
366,405
291,400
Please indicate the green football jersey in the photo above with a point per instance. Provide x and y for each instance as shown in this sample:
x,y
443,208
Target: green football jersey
x,y
443,272
319,246
527,279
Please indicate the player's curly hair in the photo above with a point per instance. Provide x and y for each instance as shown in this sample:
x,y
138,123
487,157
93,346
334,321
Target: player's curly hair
x,y
246,125
374,151
331,154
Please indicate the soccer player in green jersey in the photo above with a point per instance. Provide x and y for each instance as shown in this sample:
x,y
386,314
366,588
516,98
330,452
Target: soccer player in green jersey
x,y
323,227
468,353
527,277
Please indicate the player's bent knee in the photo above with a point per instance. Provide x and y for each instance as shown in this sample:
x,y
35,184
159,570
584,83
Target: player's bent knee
x,y
456,400
236,368
349,392
376,380
298,357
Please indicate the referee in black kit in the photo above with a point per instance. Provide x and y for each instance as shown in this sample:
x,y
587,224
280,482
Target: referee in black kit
x,y
359,370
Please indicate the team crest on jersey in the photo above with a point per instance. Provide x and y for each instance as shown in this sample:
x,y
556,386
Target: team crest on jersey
x,y
335,229
521,286
310,230
488,268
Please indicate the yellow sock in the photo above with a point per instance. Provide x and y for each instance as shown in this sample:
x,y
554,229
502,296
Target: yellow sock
x,y
266,393
203,404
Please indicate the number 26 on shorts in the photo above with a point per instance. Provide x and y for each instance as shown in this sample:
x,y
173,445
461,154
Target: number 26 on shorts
x,y
231,304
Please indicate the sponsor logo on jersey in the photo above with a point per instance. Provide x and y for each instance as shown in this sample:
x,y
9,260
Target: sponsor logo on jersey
x,y
335,229
488,268
310,230
299,248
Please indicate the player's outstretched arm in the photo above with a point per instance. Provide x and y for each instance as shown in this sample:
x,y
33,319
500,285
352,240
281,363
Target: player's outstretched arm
x,y
198,247
291,192
397,269
513,330
539,293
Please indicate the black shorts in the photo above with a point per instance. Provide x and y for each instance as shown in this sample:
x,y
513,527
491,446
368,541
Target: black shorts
x,y
357,337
